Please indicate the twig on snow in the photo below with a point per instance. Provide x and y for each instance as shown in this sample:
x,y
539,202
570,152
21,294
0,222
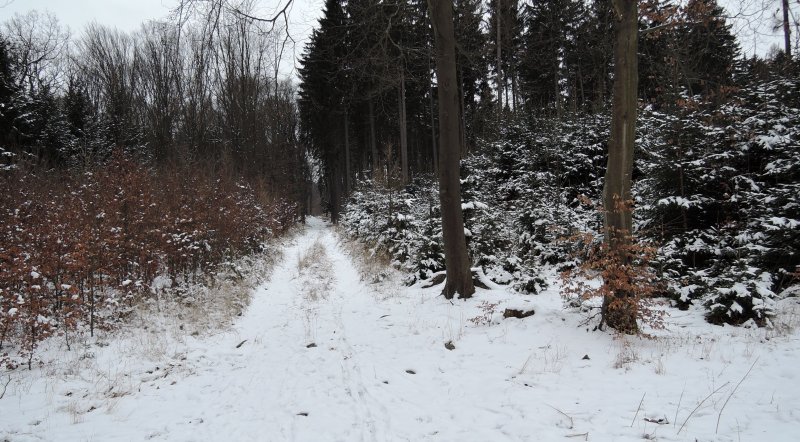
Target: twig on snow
x,y
5,387
588,318
719,416
571,422
584,435
701,403
638,408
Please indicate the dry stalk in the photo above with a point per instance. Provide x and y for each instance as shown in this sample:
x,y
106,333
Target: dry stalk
x,y
719,416
698,406
638,409
571,421
680,399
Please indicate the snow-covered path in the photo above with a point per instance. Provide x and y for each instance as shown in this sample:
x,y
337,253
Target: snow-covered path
x,y
320,355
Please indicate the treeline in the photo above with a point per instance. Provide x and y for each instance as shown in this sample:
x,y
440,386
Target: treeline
x,y
715,152
172,92
368,101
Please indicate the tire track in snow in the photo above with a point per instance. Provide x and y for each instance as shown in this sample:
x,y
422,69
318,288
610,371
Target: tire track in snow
x,y
345,283
321,288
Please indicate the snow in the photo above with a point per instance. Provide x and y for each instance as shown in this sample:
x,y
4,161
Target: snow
x,y
784,222
324,354
472,205
676,200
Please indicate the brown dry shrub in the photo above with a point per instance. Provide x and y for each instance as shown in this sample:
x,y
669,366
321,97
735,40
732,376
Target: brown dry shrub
x,y
80,250
627,282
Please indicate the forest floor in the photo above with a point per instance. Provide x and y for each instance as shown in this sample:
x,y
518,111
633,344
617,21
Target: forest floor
x,y
325,353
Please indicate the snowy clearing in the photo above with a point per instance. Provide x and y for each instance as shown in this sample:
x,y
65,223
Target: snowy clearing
x,y
322,355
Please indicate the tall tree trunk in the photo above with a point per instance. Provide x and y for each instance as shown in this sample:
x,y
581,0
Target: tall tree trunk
x,y
462,122
434,154
348,185
403,130
514,88
787,33
617,312
459,276
499,43
373,145
580,88
334,179
557,90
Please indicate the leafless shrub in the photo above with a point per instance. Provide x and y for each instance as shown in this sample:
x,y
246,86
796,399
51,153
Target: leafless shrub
x,y
81,251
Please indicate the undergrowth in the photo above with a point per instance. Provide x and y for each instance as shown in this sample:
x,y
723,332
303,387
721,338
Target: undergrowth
x,y
83,250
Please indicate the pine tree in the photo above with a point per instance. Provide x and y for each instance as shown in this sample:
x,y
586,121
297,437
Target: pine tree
x,y
321,98
471,62
8,95
542,61
505,29
593,55
711,51
686,50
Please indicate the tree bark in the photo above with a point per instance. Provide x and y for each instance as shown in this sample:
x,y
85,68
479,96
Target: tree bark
x,y
787,33
434,154
333,194
617,188
373,146
459,276
514,89
403,130
499,42
348,184
462,122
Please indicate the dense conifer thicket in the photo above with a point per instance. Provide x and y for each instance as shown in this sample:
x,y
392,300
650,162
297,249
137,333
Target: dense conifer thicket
x,y
128,160
716,159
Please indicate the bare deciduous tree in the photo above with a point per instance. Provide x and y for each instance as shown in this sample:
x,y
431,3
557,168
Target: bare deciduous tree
x,y
617,190
40,42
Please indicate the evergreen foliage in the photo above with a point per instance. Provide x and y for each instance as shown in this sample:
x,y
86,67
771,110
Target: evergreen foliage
x,y
716,188
522,195
720,192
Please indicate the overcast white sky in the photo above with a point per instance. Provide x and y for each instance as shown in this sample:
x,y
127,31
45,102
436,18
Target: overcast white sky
x,y
753,27
128,15
753,22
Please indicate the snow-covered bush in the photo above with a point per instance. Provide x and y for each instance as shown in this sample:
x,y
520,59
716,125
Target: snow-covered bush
x,y
719,190
716,187
521,194
739,293
403,223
